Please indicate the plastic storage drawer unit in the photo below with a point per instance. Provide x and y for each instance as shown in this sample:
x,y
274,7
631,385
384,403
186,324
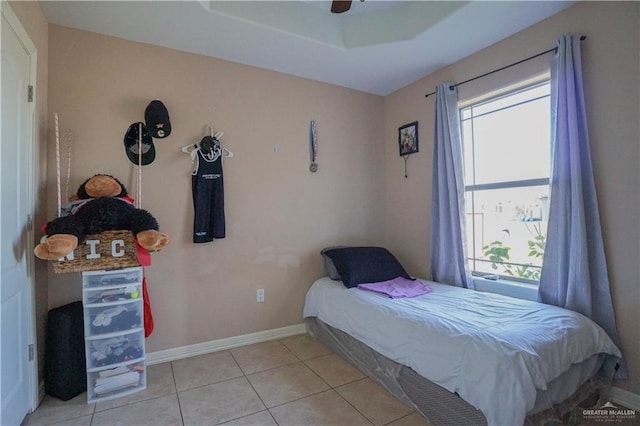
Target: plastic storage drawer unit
x,y
114,333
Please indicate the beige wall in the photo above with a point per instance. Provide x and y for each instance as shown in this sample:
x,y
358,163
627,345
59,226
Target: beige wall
x,y
33,20
279,215
611,76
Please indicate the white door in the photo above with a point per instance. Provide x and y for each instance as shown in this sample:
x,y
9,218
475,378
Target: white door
x,y
15,252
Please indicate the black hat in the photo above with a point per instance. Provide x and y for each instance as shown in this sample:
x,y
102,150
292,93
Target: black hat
x,y
157,118
208,144
131,145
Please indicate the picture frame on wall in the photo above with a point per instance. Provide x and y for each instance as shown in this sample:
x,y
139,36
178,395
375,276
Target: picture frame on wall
x,y
408,139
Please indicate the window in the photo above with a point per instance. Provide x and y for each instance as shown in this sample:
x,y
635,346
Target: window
x,y
507,158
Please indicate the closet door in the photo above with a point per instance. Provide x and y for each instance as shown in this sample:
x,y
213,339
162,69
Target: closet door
x,y
15,233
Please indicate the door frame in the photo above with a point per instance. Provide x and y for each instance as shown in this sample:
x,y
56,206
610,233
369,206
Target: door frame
x,y
30,47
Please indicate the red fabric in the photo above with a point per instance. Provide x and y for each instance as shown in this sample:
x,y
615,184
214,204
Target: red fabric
x,y
144,259
143,255
148,316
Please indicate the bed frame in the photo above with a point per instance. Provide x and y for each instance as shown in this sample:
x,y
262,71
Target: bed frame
x,y
437,404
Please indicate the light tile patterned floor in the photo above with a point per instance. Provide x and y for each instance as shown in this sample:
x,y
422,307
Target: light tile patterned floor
x,y
293,381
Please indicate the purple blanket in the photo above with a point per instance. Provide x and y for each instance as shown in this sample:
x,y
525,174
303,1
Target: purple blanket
x,y
398,287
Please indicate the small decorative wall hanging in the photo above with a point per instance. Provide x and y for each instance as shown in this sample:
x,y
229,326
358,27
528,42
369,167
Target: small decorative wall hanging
x,y
313,139
408,142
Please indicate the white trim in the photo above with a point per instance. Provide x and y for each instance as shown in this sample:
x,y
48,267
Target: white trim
x,y
625,398
507,288
41,392
16,25
223,344
30,47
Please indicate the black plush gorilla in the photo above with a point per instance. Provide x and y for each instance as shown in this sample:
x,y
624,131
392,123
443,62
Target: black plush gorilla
x,y
102,204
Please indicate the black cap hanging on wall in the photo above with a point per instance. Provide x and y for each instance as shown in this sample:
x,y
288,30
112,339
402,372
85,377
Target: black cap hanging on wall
x,y
131,144
156,117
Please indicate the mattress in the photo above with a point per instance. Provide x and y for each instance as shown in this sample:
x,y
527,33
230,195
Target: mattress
x,y
444,408
497,353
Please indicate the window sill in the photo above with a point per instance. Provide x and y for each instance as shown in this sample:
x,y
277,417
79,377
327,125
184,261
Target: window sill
x,y
507,288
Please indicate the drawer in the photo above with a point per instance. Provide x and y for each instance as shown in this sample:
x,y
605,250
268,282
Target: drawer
x,y
110,351
92,279
113,317
110,294
116,382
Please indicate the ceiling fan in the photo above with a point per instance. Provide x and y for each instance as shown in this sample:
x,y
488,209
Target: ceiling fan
x,y
341,6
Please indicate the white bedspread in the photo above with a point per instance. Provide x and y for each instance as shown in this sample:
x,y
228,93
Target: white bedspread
x,y
493,350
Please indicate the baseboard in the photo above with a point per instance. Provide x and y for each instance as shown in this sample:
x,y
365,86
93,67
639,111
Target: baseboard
x,y
625,398
223,344
41,392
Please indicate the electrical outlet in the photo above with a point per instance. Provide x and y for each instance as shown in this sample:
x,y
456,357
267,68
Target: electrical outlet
x,y
260,295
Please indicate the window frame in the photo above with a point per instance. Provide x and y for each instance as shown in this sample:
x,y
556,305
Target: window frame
x,y
497,279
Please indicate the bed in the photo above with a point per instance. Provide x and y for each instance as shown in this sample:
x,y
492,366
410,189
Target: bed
x,y
460,356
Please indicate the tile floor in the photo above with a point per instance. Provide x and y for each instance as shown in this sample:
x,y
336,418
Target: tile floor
x,y
292,381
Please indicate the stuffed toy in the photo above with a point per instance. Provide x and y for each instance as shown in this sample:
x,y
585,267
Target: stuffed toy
x,y
101,204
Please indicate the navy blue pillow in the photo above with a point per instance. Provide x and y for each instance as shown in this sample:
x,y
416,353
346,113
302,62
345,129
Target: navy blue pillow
x,y
328,264
359,265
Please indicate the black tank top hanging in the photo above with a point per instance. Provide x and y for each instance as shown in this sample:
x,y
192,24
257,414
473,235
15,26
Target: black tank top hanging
x,y
208,195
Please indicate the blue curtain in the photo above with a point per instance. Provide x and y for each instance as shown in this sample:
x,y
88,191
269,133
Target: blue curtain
x,y
574,272
448,251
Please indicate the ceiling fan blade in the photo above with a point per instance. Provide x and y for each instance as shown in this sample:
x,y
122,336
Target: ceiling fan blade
x,y
340,6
